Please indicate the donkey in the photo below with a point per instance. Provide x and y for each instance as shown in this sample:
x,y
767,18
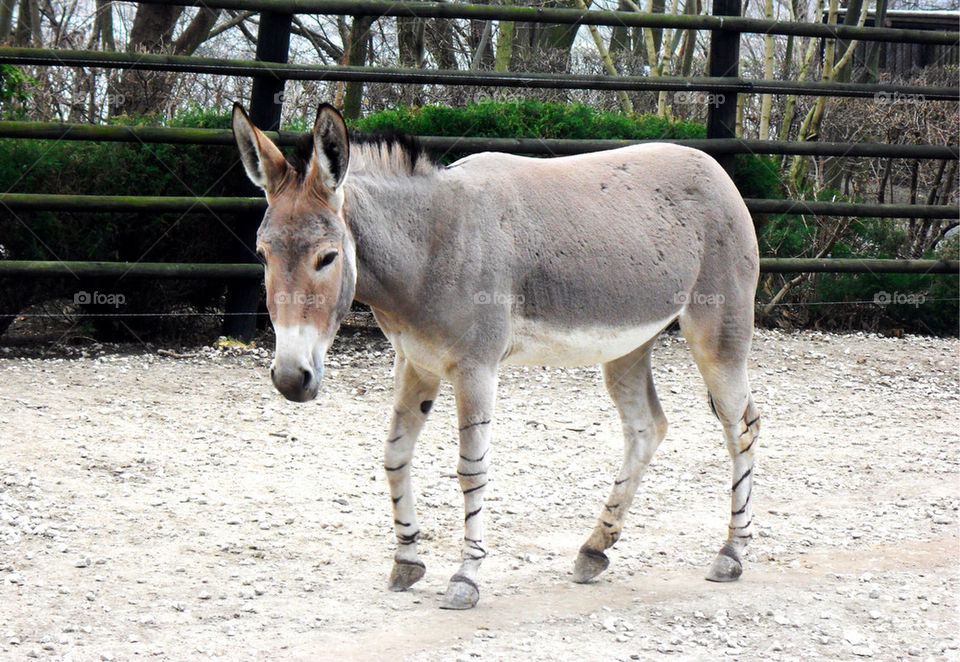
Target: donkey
x,y
501,259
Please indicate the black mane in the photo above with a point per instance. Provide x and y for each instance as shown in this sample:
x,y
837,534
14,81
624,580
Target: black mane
x,y
371,147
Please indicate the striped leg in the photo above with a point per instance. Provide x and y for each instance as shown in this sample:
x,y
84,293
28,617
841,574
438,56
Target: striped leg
x,y
741,435
413,397
475,392
630,383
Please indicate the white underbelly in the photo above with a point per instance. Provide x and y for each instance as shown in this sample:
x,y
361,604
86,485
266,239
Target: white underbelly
x,y
536,343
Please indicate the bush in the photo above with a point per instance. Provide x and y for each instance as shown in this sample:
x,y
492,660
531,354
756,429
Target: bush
x,y
755,176
115,168
921,303
14,86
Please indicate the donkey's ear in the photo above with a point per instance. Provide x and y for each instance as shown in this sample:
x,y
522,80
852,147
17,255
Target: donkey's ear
x,y
262,160
331,147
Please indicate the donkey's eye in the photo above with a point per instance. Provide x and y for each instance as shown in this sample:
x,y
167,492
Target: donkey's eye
x,y
326,259
262,257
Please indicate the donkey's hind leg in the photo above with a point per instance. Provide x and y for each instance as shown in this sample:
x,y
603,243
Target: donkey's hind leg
x,y
630,383
720,349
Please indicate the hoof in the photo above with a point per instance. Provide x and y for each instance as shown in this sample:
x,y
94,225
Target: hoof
x,y
405,574
462,593
589,564
724,569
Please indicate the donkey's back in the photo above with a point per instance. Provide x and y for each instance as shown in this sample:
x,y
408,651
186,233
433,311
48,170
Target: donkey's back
x,y
599,252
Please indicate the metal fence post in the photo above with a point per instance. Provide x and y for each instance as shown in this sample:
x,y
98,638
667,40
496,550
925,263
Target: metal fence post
x,y
266,102
724,61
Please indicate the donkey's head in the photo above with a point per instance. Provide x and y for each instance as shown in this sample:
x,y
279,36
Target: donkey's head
x,y
306,247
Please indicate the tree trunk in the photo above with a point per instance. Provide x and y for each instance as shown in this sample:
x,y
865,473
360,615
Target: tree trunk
x,y
197,32
689,43
850,18
871,72
28,24
356,55
766,100
145,92
620,35
625,104
411,55
505,35
103,25
6,20
544,45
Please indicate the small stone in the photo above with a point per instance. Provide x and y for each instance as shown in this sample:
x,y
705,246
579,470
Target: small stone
x,y
90,596
204,596
862,651
82,562
874,614
853,637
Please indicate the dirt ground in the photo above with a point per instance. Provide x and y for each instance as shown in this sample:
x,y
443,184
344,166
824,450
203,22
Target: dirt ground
x,y
163,508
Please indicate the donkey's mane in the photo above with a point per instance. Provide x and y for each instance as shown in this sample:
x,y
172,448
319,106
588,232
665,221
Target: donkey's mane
x,y
383,153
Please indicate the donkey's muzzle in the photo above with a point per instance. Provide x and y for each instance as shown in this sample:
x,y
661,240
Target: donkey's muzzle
x,y
299,383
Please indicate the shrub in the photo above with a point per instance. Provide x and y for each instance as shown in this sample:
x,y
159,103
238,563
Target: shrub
x,y
755,176
116,168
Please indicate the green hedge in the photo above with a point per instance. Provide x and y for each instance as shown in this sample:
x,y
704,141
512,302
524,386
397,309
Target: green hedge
x,y
115,168
755,176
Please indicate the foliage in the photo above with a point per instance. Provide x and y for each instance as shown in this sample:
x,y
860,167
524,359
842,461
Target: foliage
x,y
118,168
756,177
922,303
14,90
527,119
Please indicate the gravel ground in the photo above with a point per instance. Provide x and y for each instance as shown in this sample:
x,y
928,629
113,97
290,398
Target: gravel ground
x,y
154,507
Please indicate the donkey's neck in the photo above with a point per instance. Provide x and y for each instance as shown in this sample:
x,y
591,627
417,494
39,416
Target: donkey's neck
x,y
386,216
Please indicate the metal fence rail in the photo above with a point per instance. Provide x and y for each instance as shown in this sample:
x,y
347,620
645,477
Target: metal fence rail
x,y
397,75
574,17
445,144
238,205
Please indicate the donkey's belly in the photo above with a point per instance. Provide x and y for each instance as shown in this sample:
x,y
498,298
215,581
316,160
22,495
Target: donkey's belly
x,y
538,343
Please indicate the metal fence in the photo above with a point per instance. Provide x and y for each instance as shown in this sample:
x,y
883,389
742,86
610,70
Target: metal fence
x,y
270,70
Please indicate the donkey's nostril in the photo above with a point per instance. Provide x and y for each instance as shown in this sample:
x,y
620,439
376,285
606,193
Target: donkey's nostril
x,y
307,378
273,372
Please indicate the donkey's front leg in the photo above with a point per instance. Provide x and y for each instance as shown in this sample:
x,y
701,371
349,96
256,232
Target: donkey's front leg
x,y
413,397
475,391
